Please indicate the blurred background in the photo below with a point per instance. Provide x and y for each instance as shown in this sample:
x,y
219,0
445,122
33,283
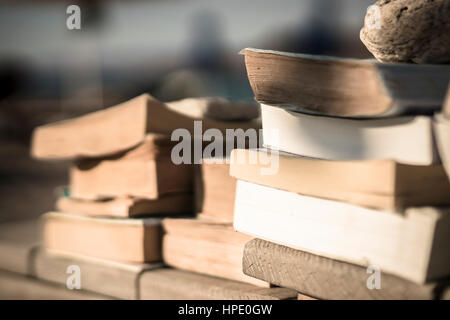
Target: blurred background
x,y
171,49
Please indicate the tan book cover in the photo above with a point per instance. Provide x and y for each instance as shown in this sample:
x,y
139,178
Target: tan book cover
x,y
383,184
207,247
219,189
145,172
123,240
127,207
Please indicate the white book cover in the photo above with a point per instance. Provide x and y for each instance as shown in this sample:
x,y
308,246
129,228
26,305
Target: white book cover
x,y
406,140
414,245
442,131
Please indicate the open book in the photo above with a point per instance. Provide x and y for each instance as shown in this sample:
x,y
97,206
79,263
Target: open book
x,y
124,126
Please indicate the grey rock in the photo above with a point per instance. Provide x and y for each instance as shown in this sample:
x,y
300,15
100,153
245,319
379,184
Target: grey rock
x,y
408,31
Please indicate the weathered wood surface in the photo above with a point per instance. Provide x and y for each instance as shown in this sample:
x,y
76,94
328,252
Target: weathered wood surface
x,y
18,287
446,294
325,278
118,280
176,284
17,241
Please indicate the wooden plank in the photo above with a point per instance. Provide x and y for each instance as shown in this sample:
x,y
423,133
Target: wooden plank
x,y
17,240
18,287
446,294
173,284
113,279
325,278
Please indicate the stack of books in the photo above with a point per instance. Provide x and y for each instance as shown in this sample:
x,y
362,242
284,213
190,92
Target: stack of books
x,y
123,179
216,191
349,198
208,244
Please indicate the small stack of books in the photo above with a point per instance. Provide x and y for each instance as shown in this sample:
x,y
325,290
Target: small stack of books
x,y
208,244
123,179
349,199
